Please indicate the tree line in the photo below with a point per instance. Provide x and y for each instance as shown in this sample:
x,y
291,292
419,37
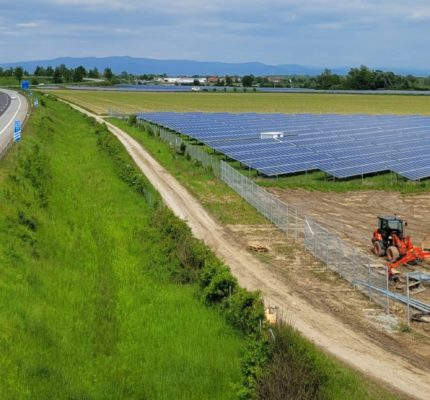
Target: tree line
x,y
360,78
61,74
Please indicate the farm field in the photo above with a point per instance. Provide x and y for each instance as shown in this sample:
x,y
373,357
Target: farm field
x,y
87,306
101,102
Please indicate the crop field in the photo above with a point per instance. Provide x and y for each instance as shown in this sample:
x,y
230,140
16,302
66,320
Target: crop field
x,y
87,307
100,102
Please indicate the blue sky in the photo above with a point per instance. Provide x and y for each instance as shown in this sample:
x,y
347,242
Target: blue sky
x,y
311,32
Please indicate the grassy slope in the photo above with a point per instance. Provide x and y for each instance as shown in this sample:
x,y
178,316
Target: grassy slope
x,y
87,311
101,102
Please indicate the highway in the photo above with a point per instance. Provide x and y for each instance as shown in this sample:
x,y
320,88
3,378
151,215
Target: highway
x,y
13,106
4,102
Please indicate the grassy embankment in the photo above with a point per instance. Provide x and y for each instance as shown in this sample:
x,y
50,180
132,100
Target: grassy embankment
x,y
88,308
100,102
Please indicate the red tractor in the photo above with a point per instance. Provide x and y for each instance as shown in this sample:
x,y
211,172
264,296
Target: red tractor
x,y
390,240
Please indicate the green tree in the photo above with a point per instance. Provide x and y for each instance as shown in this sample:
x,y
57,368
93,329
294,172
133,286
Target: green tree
x,y
360,78
18,73
39,71
79,74
49,71
57,77
327,80
108,74
247,80
94,73
66,73
228,80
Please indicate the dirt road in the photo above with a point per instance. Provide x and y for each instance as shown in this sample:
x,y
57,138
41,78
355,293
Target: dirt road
x,y
323,329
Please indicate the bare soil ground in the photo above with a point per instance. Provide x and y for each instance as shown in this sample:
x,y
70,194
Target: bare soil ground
x,y
382,356
353,216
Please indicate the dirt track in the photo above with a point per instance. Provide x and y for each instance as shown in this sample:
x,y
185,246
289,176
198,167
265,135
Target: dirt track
x,y
325,330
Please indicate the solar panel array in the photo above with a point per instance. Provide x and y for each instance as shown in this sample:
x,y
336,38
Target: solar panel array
x,y
341,145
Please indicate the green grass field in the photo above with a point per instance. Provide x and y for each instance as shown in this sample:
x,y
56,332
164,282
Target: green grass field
x,y
101,102
8,81
87,307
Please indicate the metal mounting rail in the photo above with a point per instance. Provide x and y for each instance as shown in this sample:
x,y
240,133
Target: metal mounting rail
x,y
417,304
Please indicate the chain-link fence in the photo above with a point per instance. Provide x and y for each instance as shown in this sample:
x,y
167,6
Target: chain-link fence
x,y
116,114
363,270
283,215
351,263
197,153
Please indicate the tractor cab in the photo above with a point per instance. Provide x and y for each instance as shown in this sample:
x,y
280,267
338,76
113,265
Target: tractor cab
x,y
387,225
389,236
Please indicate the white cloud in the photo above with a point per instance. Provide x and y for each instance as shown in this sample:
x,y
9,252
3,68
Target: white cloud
x,y
29,24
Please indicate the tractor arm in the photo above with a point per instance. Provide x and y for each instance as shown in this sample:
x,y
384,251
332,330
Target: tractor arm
x,y
415,253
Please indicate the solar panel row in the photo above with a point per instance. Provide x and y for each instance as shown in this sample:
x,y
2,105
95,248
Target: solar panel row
x,y
340,145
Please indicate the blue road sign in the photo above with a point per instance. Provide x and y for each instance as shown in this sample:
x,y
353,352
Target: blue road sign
x,y
25,85
17,131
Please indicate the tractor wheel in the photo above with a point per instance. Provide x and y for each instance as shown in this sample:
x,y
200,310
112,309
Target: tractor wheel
x,y
378,248
393,254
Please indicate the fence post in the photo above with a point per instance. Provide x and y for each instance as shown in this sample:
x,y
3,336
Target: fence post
x,y
387,288
326,248
368,279
353,266
408,305
296,223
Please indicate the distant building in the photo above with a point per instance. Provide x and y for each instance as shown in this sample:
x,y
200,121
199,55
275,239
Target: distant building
x,y
182,80
275,79
213,80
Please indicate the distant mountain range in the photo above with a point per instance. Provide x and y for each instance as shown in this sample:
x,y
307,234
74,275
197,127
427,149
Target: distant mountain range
x,y
188,67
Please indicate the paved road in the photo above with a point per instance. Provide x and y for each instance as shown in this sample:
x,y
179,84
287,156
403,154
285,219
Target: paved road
x,y
4,102
13,106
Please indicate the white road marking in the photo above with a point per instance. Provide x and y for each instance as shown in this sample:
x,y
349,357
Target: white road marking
x,y
13,118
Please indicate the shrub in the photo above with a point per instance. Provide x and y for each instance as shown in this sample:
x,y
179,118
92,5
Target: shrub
x,y
132,119
217,283
126,171
182,148
254,360
180,244
293,371
244,310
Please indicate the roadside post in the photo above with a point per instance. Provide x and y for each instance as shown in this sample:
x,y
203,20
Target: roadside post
x,y
17,131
